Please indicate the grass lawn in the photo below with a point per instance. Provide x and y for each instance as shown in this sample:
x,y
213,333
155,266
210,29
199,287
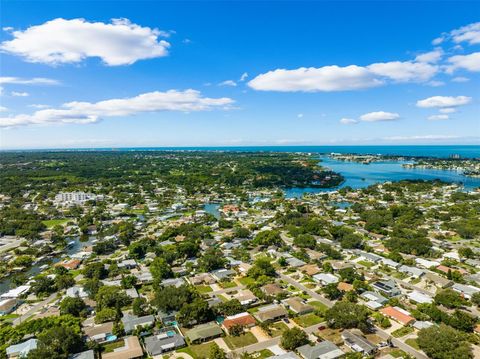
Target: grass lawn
x,y
108,348
278,328
240,341
246,280
318,305
203,289
307,320
263,354
402,332
199,351
228,284
222,298
50,223
413,343
366,264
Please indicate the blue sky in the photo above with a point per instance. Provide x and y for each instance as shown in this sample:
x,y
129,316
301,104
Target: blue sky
x,y
170,74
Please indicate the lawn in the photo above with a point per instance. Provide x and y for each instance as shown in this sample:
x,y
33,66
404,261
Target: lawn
x,y
413,343
199,351
246,280
110,347
203,289
277,329
402,332
307,320
228,284
366,264
262,354
50,223
318,305
240,341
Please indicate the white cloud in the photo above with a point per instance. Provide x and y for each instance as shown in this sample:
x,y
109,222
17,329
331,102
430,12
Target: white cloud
x,y
435,83
430,57
438,40
228,83
87,112
3,109
19,94
470,62
443,101
348,121
469,33
420,137
300,115
448,110
336,78
22,81
327,78
438,117
460,79
379,116
39,106
244,76
407,71
62,41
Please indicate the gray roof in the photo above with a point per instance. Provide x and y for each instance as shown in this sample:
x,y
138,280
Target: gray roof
x,y
130,322
89,354
358,343
158,344
323,350
22,349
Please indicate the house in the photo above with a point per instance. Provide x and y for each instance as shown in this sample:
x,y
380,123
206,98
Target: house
x,y
358,343
271,313
164,342
21,350
387,287
325,278
203,278
88,354
99,333
176,282
70,265
294,262
288,355
419,297
272,289
204,332
222,274
389,263
323,350
245,297
76,291
16,292
8,305
398,314
426,263
127,264
130,350
242,319
439,281
465,290
297,305
310,269
411,271
369,257
132,322
345,287
167,318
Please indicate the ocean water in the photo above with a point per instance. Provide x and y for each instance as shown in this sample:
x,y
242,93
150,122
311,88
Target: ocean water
x,y
466,151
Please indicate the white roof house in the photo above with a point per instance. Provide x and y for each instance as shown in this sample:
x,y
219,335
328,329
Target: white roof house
x,y
16,292
419,297
325,278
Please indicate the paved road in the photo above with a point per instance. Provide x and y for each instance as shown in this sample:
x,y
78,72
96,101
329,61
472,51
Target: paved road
x,y
310,292
34,309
